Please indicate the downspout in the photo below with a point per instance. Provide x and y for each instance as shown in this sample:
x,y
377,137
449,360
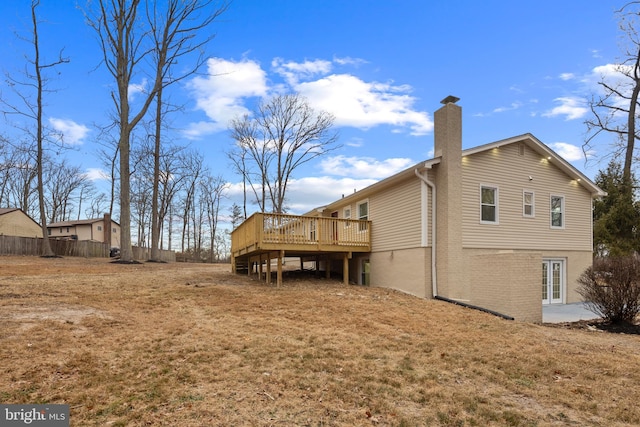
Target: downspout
x,y
434,282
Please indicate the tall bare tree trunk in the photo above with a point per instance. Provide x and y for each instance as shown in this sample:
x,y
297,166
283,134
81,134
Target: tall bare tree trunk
x,y
46,246
155,225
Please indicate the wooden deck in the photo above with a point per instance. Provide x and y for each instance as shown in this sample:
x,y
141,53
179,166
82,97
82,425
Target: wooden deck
x,y
264,236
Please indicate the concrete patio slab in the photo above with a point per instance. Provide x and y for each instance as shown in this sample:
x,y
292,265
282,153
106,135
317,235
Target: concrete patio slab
x,y
561,313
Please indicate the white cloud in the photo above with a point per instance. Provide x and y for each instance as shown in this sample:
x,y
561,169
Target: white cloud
x,y
72,132
355,142
361,104
295,71
96,174
349,61
513,106
567,76
303,194
567,151
135,89
307,193
221,93
363,167
353,102
570,107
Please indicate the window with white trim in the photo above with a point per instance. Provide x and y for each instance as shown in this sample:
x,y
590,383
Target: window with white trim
x,y
363,214
346,214
557,211
528,204
488,204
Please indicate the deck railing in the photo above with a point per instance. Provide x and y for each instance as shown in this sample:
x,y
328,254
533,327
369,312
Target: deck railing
x,y
266,231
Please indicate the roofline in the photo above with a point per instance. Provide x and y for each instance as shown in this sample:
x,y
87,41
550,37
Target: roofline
x,y
9,210
360,194
534,143
78,222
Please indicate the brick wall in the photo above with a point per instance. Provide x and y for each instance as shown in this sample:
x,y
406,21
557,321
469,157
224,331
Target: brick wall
x,y
509,283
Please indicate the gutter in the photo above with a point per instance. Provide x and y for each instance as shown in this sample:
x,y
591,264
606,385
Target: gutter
x,y
434,276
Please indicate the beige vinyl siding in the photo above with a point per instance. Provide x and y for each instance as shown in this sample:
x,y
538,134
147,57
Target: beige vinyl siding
x,y
509,171
17,223
395,213
83,232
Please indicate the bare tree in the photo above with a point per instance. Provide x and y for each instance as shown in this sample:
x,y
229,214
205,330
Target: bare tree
x,y
614,110
192,170
33,110
250,150
284,133
62,183
170,182
97,206
108,152
212,189
175,35
129,42
124,45
22,190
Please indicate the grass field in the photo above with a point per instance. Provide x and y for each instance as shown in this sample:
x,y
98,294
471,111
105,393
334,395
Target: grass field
x,y
194,345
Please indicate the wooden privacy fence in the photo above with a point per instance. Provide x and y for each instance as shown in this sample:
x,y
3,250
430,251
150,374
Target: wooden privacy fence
x,y
12,245
144,254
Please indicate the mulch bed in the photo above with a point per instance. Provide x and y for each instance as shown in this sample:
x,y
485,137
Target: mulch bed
x,y
600,325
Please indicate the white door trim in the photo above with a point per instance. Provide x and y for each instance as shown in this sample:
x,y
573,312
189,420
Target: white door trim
x,y
555,280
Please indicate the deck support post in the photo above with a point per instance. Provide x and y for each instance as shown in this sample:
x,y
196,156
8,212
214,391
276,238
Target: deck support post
x,y
279,279
328,267
345,268
260,268
268,278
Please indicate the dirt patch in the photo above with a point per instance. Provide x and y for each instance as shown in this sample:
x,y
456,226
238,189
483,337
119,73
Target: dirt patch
x,y
193,345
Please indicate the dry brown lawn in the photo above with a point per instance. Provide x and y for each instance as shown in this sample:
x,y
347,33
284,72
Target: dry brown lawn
x,y
194,345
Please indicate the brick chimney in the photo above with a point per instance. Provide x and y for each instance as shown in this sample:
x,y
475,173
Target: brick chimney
x,y
448,180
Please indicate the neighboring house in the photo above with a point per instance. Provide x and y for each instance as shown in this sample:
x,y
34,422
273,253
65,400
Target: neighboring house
x,y
510,221
96,230
15,222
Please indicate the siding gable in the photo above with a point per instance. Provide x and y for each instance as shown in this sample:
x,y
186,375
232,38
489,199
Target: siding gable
x,y
515,168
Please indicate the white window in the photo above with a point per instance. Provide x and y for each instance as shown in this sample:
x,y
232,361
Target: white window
x,y
363,214
488,204
557,211
346,214
528,204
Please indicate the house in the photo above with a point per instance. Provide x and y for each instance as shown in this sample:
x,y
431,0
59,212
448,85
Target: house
x,y
96,230
505,226
15,222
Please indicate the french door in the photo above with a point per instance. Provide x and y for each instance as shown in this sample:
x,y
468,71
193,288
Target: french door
x,y
552,281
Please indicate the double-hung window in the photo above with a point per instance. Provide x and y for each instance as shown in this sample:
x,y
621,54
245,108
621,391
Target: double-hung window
x,y
363,214
557,211
346,213
488,204
528,206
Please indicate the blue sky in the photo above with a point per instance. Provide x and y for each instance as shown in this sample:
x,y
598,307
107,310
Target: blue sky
x,y
381,67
